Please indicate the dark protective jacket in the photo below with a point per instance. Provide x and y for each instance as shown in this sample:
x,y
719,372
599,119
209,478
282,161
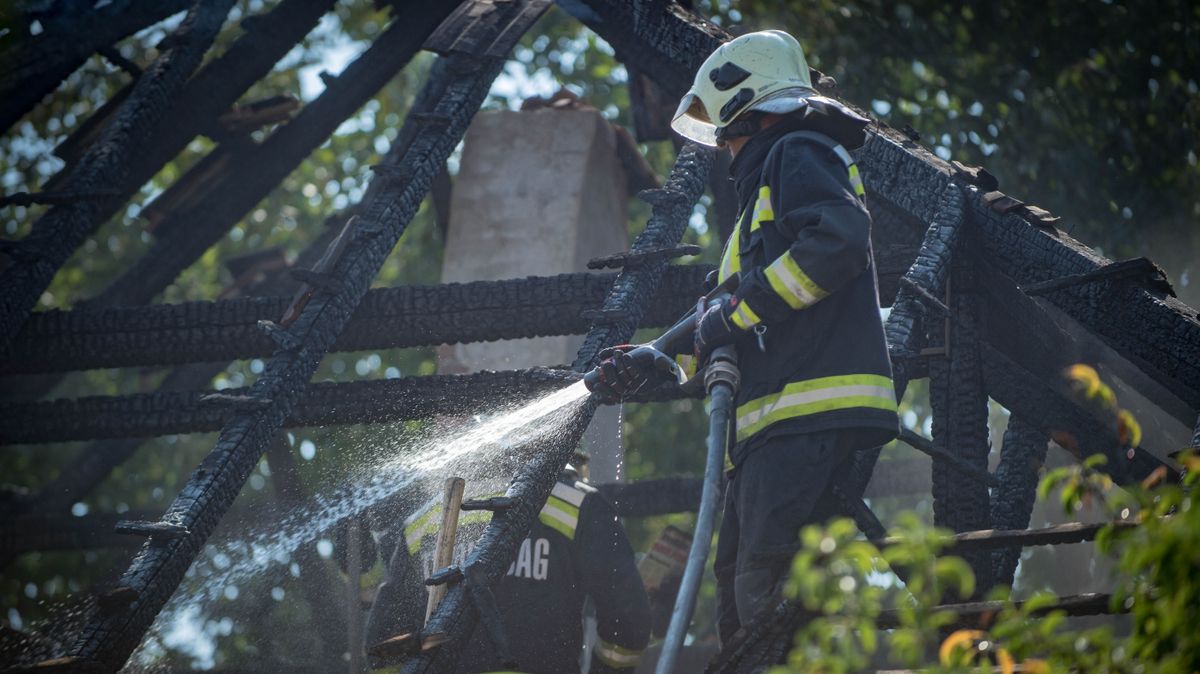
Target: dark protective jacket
x,y
802,243
575,550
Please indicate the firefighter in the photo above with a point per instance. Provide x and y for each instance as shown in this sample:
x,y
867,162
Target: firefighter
x,y
575,550
816,379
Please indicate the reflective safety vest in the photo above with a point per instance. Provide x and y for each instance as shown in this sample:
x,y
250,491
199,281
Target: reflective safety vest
x,y
576,549
825,363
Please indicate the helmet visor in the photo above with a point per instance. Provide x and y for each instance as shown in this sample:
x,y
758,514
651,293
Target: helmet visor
x,y
691,122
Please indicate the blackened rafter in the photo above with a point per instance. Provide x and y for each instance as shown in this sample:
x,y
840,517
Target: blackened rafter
x,y
57,234
34,66
164,412
387,318
251,170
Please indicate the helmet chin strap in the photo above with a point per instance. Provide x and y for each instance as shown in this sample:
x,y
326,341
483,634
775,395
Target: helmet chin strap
x,y
748,124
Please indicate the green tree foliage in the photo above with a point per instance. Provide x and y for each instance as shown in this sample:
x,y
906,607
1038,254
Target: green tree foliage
x,y
836,577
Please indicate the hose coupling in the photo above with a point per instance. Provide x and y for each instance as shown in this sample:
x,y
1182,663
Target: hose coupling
x,y
722,369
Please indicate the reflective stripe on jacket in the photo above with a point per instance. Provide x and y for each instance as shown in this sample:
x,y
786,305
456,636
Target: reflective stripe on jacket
x,y
802,245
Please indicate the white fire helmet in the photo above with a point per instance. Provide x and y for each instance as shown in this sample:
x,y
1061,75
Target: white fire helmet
x,y
763,71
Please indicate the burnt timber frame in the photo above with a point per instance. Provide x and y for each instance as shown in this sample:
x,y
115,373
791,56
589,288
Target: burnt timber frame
x,y
158,568
56,235
906,184
254,169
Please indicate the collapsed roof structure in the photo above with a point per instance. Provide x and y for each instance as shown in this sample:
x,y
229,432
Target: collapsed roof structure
x,y
986,298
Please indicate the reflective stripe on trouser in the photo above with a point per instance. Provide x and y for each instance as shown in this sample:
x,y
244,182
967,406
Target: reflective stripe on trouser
x,y
617,656
813,396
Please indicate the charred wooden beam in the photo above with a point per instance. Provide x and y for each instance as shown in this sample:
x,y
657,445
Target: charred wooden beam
x,y
998,538
1137,318
54,198
1021,458
1139,268
960,419
55,236
1042,338
994,539
622,312
97,459
1020,329
926,446
631,295
157,569
211,92
165,412
387,318
35,65
253,170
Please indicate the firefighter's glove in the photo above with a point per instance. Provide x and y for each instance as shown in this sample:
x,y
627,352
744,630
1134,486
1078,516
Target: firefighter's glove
x,y
627,369
715,328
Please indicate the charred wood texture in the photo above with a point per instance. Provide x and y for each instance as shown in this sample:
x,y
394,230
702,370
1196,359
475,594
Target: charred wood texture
x,y
664,40
622,312
252,170
34,66
982,613
212,91
1155,331
1021,458
386,318
157,569
165,412
1043,339
960,420
57,234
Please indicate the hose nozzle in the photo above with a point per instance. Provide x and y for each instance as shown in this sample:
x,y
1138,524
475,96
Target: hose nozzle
x,y
627,372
